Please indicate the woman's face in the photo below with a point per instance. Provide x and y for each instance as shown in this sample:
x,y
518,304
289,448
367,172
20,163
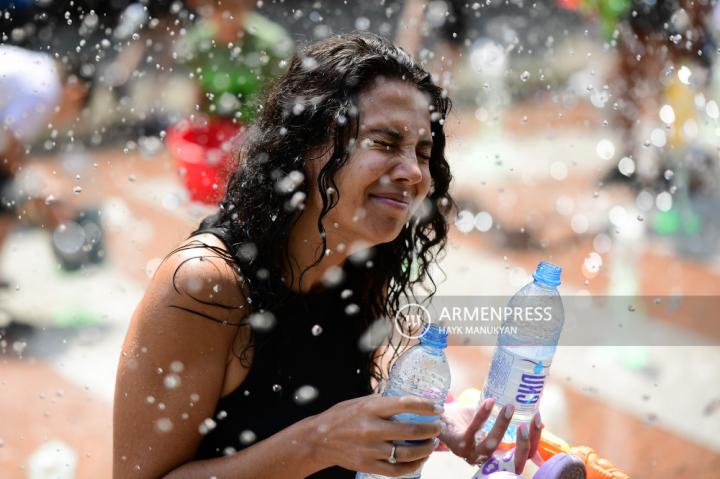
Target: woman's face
x,y
387,175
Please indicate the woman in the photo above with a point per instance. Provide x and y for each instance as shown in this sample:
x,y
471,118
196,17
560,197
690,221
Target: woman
x,y
243,358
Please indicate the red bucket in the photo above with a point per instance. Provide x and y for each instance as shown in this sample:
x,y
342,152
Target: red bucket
x,y
201,149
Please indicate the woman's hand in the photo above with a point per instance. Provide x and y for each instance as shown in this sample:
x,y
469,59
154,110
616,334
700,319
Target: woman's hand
x,y
358,434
463,422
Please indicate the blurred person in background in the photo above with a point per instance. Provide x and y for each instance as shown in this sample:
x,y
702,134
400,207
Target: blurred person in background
x,y
233,53
35,90
655,39
450,19
260,319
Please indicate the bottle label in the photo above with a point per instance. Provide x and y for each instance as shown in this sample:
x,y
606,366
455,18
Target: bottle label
x,y
516,380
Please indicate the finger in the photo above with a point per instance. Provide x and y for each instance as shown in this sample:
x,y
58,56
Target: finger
x,y
388,406
522,448
412,453
536,427
488,445
481,415
404,431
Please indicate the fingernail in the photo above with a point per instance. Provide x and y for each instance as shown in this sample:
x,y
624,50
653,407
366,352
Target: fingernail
x,y
436,442
523,431
509,410
491,443
488,404
538,421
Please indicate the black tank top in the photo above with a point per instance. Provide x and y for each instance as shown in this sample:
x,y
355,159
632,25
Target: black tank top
x,y
307,363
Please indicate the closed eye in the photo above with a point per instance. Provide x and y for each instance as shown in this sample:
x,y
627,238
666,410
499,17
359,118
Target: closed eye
x,y
425,157
382,143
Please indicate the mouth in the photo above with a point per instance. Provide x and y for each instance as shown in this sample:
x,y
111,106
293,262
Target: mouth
x,y
395,203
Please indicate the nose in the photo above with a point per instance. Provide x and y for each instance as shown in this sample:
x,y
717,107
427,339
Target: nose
x,y
406,170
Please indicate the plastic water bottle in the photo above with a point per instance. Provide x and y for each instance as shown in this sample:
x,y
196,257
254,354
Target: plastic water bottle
x,y
532,322
421,371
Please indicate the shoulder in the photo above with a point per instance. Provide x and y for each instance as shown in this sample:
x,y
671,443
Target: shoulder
x,y
196,294
201,270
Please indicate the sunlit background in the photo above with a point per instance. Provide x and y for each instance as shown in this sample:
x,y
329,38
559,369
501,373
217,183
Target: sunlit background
x,y
573,138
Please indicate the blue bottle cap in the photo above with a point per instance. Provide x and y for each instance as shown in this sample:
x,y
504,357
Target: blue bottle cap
x,y
548,273
435,336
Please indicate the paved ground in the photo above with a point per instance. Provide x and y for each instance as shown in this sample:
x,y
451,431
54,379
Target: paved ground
x,y
653,411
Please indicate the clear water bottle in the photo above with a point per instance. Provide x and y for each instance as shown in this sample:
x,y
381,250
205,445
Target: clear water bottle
x,y
421,371
532,322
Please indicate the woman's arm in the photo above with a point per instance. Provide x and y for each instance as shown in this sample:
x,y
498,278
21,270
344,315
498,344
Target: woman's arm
x,y
290,453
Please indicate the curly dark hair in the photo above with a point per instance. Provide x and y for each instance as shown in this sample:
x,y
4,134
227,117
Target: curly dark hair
x,y
326,79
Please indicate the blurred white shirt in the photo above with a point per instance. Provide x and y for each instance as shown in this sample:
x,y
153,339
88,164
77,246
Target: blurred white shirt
x,y
29,91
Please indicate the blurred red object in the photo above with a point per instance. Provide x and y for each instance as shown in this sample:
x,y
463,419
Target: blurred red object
x,y
202,150
569,4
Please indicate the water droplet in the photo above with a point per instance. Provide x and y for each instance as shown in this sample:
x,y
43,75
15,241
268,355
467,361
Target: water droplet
x,y
631,308
346,293
640,218
150,399
684,74
298,108
221,414
465,221
77,190
216,288
171,381
605,149
664,201
317,330
525,76
247,437
164,424
194,397
262,320
333,276
352,309
18,347
206,426
305,394
177,367
626,166
669,174
276,388
667,114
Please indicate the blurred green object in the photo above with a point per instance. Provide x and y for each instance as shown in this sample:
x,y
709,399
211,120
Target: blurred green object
x,y
75,317
609,12
667,223
232,77
635,358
